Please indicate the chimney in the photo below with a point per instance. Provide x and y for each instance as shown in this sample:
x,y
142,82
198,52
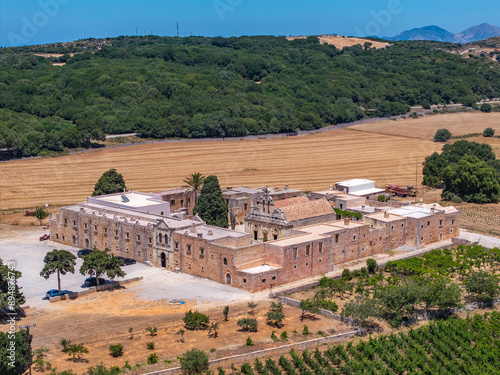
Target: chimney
x,y
193,228
286,187
386,215
200,235
210,233
346,221
276,189
432,211
363,207
229,187
331,187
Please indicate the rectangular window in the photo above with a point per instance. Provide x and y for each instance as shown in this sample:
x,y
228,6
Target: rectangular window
x,y
176,245
127,235
428,224
65,221
246,206
392,227
202,252
441,222
105,230
172,202
295,253
182,202
453,222
116,233
320,247
85,225
336,238
95,228
308,250
74,223
150,240
138,238
188,249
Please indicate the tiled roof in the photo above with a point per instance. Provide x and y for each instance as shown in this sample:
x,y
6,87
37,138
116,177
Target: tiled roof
x,y
318,207
290,201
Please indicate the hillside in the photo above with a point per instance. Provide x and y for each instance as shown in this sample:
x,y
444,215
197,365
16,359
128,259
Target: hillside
x,y
197,87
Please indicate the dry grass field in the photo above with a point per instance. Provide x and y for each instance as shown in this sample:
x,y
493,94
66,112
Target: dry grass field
x,y
340,41
305,162
425,127
387,152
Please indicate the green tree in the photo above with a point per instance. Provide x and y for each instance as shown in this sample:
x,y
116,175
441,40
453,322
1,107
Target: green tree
x,y
110,182
225,312
488,132
152,359
371,264
195,320
194,361
98,263
213,330
11,297
41,214
248,324
18,358
309,306
473,180
212,207
485,107
363,310
275,314
60,262
116,350
195,180
482,287
442,135
76,350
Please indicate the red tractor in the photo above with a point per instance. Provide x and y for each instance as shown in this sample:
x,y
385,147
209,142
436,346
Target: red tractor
x,y
401,192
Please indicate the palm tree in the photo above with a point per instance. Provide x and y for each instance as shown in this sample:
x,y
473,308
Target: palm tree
x,y
195,180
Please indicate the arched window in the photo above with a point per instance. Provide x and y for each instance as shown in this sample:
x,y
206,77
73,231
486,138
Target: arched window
x,y
225,261
160,238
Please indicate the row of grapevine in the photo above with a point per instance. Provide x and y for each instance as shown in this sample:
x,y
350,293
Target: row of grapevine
x,y
454,346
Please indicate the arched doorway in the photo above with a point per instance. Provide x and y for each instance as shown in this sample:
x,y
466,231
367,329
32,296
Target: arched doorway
x,y
228,279
163,260
87,243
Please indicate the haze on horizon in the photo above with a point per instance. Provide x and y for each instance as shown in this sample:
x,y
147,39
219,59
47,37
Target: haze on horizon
x,y
49,21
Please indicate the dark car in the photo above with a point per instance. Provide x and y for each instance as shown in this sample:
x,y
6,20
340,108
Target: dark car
x,y
127,261
91,281
54,292
83,252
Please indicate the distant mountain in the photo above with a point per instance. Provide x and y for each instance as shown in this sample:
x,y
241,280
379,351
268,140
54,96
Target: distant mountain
x,y
438,34
479,32
426,33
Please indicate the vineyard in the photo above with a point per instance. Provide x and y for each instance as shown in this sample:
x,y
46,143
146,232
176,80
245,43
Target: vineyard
x,y
454,346
432,285
481,218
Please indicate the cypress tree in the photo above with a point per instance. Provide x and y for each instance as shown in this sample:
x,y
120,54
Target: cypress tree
x,y
211,206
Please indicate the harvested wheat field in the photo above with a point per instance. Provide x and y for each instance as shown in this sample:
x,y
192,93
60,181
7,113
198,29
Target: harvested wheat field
x,y
305,162
340,41
426,127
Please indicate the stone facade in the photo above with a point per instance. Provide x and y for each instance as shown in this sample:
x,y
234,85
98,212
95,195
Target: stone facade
x,y
180,200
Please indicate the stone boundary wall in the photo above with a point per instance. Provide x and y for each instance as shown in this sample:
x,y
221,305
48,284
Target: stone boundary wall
x,y
264,353
410,254
329,314
94,289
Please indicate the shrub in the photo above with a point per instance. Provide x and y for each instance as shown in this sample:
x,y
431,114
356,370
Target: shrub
x,y
64,343
152,359
150,345
284,336
275,316
249,341
194,361
75,350
116,350
346,274
152,330
442,135
305,331
196,320
485,108
248,324
213,350
488,132
273,336
225,312
372,265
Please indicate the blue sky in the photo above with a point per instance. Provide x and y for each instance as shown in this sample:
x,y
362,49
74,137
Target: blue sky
x,y
46,21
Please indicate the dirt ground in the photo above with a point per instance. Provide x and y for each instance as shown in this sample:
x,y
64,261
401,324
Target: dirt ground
x,y
104,318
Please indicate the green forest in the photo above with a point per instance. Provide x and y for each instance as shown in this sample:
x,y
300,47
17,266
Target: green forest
x,y
164,87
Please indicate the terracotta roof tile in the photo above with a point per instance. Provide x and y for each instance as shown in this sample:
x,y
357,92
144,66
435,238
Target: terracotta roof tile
x,y
290,201
318,207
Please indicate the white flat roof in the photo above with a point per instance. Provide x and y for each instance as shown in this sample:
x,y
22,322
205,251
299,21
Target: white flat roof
x,y
415,212
355,182
260,269
135,199
364,192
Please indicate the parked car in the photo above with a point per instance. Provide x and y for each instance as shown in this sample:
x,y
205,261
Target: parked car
x,y
54,292
91,281
127,261
45,237
83,252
